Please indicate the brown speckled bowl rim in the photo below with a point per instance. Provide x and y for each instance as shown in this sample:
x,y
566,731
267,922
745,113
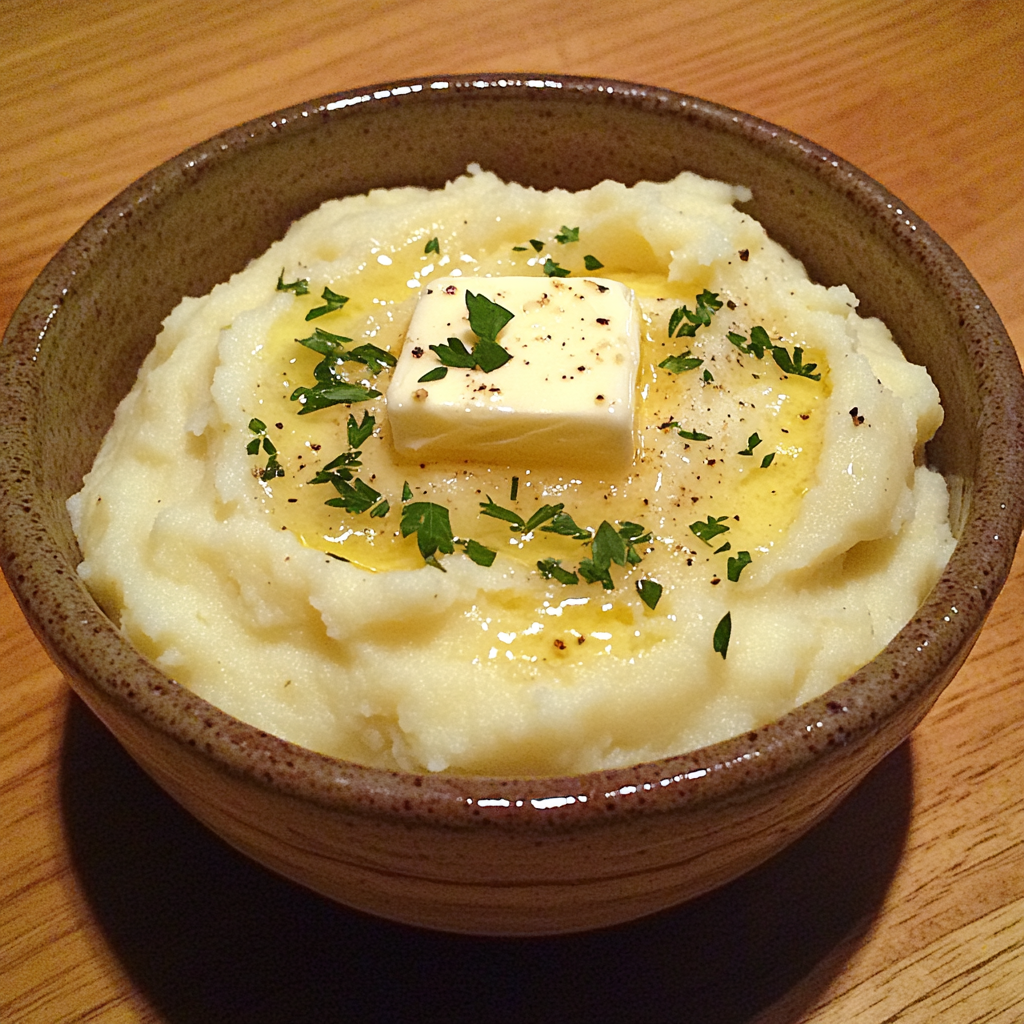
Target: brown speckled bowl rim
x,y
89,649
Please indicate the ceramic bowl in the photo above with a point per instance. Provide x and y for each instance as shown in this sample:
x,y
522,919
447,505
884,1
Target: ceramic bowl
x,y
495,855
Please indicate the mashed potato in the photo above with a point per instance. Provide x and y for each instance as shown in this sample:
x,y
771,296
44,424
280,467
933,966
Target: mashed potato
x,y
775,530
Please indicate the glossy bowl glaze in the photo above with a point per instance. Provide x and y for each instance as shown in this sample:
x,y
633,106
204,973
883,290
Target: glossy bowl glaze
x,y
494,855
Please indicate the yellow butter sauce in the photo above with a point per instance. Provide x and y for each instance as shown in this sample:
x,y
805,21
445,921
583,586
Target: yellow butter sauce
x,y
672,483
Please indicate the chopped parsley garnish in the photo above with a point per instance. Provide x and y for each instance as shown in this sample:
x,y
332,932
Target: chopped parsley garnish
x,y
592,263
690,435
607,546
433,246
794,364
551,568
300,286
432,526
358,433
331,388
552,269
272,469
437,373
542,515
760,343
515,489
371,356
406,492
324,395
752,442
477,552
633,534
650,592
693,435
567,234
709,530
325,343
537,244
737,565
332,302
767,460
683,324
357,496
486,319
519,248
564,525
723,631
341,468
681,363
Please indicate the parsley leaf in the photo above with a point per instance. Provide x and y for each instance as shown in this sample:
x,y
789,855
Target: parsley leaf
x,y
332,302
495,511
478,553
432,246
542,515
432,526
325,343
567,235
693,435
683,324
564,525
723,631
607,546
592,263
454,353
552,269
709,530
681,363
757,346
650,592
794,364
406,491
490,356
515,489
737,565
357,434
354,497
486,319
759,341
633,534
300,286
321,397
767,460
752,442
437,373
551,568
342,468
537,244
371,356
272,469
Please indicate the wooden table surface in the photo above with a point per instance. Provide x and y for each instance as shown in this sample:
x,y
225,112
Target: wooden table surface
x,y
906,905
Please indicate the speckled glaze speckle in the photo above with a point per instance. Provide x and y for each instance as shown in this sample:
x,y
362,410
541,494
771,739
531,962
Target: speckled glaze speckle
x,y
499,856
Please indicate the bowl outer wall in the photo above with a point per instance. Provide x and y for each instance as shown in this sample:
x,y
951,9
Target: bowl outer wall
x,y
82,330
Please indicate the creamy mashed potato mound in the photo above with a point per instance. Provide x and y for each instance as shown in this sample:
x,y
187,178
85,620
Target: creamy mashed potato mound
x,y
786,510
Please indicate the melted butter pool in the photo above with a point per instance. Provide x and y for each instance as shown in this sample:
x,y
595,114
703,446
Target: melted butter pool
x,y
673,483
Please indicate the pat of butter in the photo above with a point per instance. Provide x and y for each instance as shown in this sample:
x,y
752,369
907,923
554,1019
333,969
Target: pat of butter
x,y
566,398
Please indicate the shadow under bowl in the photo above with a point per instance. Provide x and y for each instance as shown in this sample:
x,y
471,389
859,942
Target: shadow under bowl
x,y
495,855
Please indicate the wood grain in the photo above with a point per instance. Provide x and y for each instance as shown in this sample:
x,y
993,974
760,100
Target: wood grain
x,y
906,905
